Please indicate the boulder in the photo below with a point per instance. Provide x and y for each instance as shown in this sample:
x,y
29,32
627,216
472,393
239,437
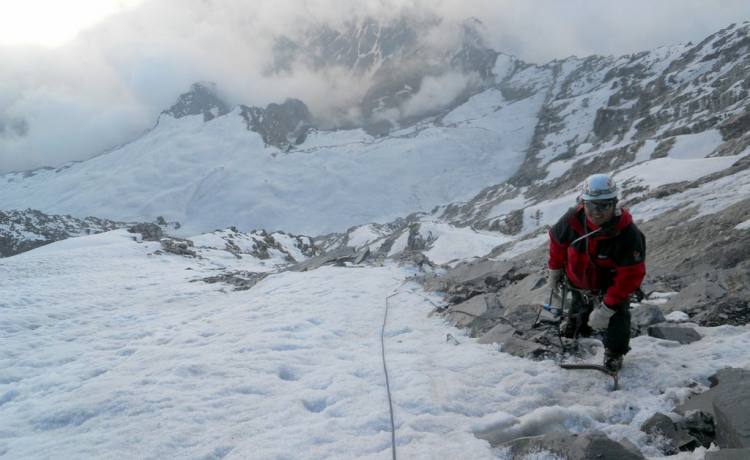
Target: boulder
x,y
684,335
685,435
643,316
728,454
524,348
732,408
700,425
571,446
149,232
338,257
695,296
728,401
178,246
469,279
500,333
465,313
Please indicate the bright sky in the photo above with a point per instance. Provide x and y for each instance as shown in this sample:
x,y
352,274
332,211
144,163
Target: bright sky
x,y
52,23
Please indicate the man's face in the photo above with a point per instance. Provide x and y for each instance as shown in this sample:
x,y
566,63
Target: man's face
x,y
599,212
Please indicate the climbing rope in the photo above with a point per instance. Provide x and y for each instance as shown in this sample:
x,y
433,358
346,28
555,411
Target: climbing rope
x,y
387,381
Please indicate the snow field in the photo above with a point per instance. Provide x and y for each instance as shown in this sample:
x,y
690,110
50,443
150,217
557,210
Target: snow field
x,y
109,352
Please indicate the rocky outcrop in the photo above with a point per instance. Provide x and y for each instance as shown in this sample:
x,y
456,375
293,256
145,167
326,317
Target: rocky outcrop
x,y
22,231
240,280
338,257
686,434
280,125
178,246
570,446
147,232
728,401
202,99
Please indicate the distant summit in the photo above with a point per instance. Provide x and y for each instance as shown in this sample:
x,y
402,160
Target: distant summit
x,y
393,59
200,100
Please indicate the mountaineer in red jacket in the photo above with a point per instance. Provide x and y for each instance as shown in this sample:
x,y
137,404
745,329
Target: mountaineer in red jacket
x,y
602,254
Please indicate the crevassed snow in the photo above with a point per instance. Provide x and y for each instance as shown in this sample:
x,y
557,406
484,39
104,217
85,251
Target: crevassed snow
x,y
115,353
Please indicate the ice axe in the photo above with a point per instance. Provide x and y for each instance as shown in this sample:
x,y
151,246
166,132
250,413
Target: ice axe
x,y
557,311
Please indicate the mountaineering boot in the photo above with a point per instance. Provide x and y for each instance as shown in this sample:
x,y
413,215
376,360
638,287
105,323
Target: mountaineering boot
x,y
612,362
569,329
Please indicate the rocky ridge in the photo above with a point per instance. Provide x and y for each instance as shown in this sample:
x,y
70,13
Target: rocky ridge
x,y
25,230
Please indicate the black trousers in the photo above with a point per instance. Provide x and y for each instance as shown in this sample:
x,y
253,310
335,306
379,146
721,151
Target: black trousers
x,y
616,336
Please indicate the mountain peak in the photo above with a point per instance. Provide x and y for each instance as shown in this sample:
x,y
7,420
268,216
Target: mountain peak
x,y
201,99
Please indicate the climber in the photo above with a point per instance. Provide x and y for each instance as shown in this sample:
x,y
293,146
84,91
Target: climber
x,y
599,253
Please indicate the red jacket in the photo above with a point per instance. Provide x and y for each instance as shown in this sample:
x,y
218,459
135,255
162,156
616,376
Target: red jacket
x,y
609,262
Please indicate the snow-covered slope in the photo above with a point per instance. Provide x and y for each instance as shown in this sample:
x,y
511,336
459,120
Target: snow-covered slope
x,y
115,351
216,174
114,348
542,128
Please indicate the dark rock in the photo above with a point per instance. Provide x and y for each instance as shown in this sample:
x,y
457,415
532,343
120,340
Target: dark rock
x,y
643,316
469,279
241,280
570,446
200,100
22,231
730,310
683,335
732,412
696,296
659,424
149,232
178,246
518,346
500,333
728,401
281,125
700,425
336,257
728,454
468,311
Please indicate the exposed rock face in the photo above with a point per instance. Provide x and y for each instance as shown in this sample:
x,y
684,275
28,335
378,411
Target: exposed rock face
x,y
728,401
336,257
22,231
568,445
392,59
241,280
655,96
695,430
200,100
178,246
281,125
149,232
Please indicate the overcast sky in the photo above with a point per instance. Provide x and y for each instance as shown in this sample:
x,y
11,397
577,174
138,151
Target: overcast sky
x,y
68,93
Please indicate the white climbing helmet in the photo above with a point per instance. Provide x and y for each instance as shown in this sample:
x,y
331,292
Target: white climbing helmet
x,y
598,187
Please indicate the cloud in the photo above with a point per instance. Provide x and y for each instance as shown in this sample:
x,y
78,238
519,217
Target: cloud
x,y
110,83
437,91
